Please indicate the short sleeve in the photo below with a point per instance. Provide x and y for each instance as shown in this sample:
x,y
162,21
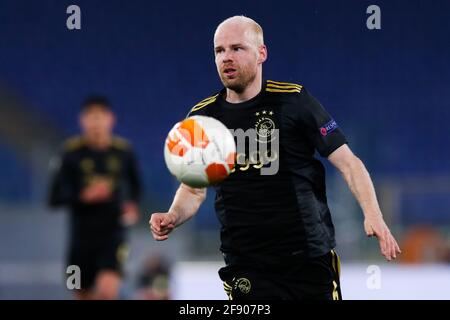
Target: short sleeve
x,y
62,184
133,177
201,108
321,129
197,112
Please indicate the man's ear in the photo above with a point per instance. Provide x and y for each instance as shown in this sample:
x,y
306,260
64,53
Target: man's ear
x,y
81,120
113,119
262,53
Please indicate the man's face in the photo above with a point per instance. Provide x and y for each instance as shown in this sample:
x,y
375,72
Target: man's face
x,y
97,121
237,56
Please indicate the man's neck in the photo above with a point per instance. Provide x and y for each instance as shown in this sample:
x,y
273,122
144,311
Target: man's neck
x,y
98,143
250,92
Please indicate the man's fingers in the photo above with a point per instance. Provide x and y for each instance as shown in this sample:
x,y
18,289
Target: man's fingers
x,y
392,246
156,230
160,238
383,245
166,221
160,231
156,225
393,249
388,245
389,248
369,231
156,221
386,248
397,247
161,225
166,230
383,238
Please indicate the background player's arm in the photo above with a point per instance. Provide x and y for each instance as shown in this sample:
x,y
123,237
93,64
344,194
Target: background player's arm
x,y
62,184
185,205
130,207
360,184
134,181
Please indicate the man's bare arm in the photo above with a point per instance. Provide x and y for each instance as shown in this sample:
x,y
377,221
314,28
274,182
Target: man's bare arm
x,y
360,184
185,205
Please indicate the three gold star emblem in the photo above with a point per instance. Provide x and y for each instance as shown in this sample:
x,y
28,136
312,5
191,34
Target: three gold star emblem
x,y
264,112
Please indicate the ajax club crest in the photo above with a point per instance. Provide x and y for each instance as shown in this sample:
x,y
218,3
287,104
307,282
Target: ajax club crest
x,y
265,126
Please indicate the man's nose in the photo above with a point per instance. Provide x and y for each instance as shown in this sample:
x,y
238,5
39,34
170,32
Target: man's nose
x,y
227,56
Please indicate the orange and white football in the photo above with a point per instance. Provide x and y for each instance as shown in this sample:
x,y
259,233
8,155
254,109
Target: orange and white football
x,y
200,151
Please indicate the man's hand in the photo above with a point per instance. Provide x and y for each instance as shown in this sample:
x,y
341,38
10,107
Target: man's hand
x,y
161,224
100,190
185,204
375,226
130,213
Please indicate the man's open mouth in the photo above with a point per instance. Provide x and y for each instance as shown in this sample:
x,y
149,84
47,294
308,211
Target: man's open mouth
x,y
229,71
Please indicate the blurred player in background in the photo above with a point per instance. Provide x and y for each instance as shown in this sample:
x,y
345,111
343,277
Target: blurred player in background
x,y
276,230
97,178
153,279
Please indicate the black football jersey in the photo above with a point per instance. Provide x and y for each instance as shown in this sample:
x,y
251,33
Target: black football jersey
x,y
274,202
79,165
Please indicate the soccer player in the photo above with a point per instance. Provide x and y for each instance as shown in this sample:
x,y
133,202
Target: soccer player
x,y
277,235
98,180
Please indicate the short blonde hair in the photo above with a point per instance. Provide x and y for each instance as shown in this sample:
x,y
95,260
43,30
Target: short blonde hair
x,y
254,27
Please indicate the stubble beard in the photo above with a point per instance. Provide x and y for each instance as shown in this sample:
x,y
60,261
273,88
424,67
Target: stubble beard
x,y
240,83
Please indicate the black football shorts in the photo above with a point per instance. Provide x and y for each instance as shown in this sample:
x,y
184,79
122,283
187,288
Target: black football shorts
x,y
105,254
312,279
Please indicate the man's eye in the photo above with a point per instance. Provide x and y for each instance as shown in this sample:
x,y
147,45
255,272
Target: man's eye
x,y
237,48
219,51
